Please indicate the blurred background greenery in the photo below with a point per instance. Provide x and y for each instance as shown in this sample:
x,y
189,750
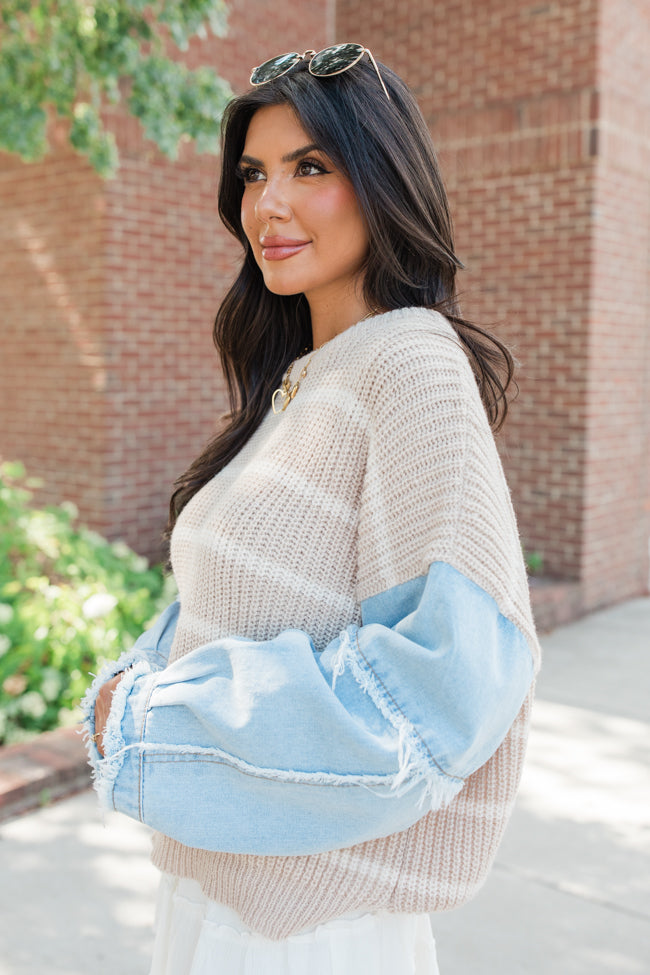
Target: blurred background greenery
x,y
70,59
69,599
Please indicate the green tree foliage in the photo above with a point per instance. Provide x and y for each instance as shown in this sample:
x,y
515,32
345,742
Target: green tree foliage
x,y
69,600
72,57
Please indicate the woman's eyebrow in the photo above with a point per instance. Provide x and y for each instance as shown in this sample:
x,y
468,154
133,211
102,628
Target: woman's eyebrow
x,y
290,156
297,153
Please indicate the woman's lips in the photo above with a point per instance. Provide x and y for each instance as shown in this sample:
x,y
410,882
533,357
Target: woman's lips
x,y
279,248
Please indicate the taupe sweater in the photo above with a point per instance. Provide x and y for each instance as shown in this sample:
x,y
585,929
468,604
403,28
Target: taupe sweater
x,y
386,462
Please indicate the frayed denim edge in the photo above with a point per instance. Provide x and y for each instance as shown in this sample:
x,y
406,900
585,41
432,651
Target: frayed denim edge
x,y
414,768
105,770
112,667
203,752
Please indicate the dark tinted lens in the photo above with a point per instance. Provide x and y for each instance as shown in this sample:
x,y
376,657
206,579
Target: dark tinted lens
x,y
274,68
335,59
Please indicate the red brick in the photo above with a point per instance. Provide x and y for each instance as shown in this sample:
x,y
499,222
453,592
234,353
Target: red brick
x,y
109,384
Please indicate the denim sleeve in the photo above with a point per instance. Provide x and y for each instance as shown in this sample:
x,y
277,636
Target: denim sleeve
x,y
273,748
151,649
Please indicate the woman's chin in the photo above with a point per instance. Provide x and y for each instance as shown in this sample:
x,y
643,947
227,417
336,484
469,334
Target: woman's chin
x,y
282,289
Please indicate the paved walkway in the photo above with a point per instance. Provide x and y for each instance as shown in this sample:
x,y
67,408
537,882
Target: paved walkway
x,y
569,895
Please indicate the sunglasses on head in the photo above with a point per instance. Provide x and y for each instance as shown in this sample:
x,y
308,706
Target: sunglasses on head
x,y
330,61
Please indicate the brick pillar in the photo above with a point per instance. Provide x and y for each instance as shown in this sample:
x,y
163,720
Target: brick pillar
x,y
539,111
109,383
616,512
52,365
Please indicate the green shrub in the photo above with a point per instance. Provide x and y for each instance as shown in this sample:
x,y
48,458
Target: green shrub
x,y
69,600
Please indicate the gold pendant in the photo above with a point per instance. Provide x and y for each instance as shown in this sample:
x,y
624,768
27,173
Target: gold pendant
x,y
283,396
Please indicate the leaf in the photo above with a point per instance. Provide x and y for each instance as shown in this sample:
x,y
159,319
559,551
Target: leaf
x,y
76,57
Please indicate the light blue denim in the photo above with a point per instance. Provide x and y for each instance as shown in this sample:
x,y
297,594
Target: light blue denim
x,y
274,748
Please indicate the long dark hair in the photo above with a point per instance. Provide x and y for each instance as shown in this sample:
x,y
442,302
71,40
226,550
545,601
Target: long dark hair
x,y
385,149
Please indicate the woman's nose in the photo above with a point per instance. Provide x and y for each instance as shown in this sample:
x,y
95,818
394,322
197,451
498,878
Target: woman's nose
x,y
272,203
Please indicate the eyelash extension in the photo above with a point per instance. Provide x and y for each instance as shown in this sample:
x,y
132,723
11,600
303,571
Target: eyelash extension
x,y
312,162
242,171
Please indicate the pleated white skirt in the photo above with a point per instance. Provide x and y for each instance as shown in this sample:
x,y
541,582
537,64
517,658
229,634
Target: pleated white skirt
x,y
196,936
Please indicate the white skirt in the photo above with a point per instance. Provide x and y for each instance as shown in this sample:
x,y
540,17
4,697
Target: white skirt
x,y
197,936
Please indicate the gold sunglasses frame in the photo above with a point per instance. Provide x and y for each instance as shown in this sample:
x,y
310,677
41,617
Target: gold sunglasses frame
x,y
309,57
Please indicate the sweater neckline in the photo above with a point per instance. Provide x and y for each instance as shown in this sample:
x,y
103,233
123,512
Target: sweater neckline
x,y
356,329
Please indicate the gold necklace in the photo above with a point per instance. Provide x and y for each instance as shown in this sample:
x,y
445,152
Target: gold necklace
x,y
286,392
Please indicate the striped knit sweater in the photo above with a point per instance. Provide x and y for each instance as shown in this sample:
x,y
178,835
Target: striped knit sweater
x,y
382,465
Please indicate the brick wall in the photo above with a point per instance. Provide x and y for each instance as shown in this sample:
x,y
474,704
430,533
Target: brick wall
x,y
616,512
52,367
540,114
108,381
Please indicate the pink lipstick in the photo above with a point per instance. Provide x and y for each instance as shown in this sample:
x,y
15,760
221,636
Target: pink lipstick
x,y
279,248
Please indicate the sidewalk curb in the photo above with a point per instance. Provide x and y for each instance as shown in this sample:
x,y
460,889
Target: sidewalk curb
x,y
33,773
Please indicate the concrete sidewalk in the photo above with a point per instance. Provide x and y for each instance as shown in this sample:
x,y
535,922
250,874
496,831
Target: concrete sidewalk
x,y
569,894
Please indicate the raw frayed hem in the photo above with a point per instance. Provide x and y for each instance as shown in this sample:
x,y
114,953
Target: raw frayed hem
x,y
415,770
207,753
105,770
109,670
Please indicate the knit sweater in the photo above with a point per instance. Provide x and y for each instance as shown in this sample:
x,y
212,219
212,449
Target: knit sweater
x,y
382,466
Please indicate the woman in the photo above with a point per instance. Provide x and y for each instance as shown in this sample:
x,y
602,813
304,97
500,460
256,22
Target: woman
x,y
327,731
